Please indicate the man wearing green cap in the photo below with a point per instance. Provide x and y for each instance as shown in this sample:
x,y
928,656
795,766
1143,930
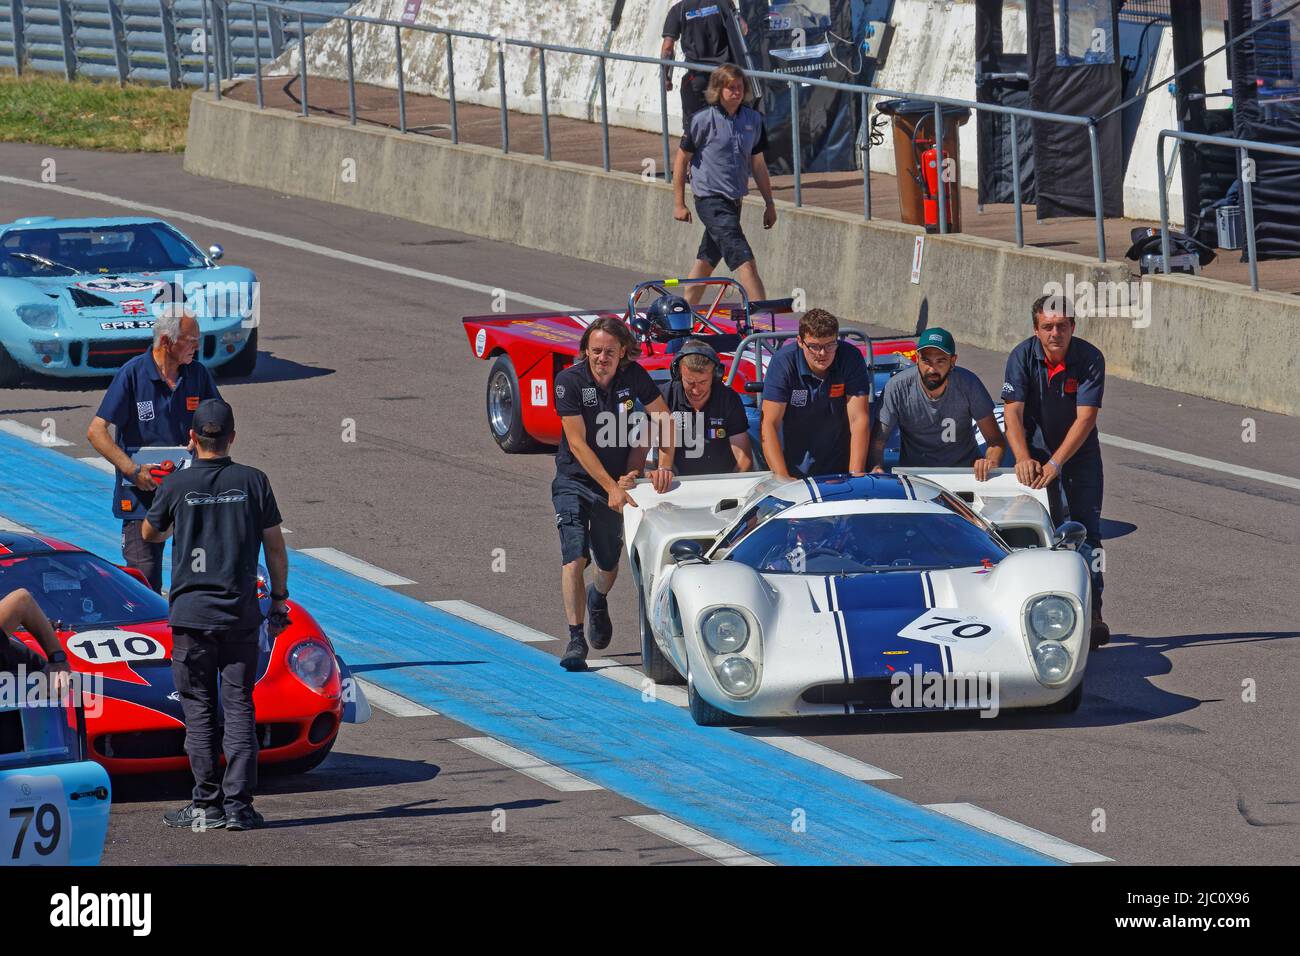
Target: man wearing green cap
x,y
933,405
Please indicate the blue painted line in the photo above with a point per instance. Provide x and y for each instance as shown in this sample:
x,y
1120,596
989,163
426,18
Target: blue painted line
x,y
728,785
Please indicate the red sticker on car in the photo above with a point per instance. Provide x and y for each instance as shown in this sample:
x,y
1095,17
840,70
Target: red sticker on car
x,y
134,307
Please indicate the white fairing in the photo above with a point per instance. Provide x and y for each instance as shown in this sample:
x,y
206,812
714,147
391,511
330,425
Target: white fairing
x,y
834,644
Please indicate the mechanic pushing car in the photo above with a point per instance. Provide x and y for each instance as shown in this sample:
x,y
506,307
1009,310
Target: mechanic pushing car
x,y
816,411
709,418
150,403
701,25
222,514
722,147
1052,395
601,451
933,404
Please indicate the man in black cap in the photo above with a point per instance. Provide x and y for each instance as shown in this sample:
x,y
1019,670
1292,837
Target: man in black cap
x,y
222,514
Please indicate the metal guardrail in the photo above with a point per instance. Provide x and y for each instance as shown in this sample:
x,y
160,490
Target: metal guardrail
x,y
1244,174
793,83
152,41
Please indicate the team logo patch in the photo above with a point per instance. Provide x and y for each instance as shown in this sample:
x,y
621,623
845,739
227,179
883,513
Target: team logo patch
x,y
799,397
1008,388
192,403
837,391
144,411
589,396
559,391
1071,386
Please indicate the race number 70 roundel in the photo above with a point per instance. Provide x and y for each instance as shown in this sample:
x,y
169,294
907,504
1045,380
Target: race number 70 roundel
x,y
115,647
946,626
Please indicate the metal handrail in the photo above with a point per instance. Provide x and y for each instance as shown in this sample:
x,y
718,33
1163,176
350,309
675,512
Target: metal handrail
x,y
1243,147
758,340
792,82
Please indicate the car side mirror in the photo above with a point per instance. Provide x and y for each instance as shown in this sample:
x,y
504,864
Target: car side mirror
x,y
686,550
1069,537
215,252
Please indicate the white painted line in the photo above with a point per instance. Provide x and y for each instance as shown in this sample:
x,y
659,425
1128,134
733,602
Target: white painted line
x,y
693,839
818,754
391,703
630,676
362,569
1044,843
289,242
541,771
33,435
7,525
492,621
100,464
1210,464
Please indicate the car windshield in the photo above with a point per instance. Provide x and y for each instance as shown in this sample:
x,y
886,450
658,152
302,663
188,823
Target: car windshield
x,y
80,589
868,543
134,247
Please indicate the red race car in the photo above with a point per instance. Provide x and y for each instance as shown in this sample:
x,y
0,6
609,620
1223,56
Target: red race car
x,y
528,350
113,626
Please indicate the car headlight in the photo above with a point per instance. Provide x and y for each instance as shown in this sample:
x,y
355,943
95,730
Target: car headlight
x,y
737,676
312,663
1052,660
1051,618
724,630
43,316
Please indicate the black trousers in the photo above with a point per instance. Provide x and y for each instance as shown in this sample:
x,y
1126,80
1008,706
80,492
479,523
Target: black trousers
x,y
198,658
140,554
1076,496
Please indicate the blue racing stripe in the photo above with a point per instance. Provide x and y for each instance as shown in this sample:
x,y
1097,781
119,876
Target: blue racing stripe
x,y
729,785
875,608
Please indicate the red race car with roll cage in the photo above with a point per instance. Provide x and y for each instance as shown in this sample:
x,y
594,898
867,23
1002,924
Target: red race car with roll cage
x,y
113,627
528,350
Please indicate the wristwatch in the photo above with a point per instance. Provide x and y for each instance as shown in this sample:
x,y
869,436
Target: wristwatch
x,y
280,597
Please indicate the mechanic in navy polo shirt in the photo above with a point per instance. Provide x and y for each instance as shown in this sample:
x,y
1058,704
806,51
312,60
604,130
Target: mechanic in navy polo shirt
x,y
723,146
816,403
701,25
601,450
1053,388
150,402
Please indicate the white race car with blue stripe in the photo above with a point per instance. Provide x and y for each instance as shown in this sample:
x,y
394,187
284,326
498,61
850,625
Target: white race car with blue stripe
x,y
893,593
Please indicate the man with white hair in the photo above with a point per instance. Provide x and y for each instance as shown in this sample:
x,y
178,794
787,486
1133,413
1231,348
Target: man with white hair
x,y
151,403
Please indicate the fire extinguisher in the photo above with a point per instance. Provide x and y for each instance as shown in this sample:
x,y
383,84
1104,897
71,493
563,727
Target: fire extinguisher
x,y
931,167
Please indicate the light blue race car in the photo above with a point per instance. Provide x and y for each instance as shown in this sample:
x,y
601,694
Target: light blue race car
x,y
78,297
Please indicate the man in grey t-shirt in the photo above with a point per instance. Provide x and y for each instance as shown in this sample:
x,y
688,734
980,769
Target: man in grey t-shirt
x,y
933,406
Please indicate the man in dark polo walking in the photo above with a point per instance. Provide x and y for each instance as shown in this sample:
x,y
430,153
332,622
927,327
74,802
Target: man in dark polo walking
x,y
723,147
1053,388
222,515
150,403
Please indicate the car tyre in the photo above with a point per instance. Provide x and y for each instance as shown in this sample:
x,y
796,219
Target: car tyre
x,y
302,765
11,373
245,360
704,713
654,664
505,408
1067,704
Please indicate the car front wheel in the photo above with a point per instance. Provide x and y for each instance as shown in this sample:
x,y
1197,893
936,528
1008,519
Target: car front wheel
x,y
11,373
704,713
654,664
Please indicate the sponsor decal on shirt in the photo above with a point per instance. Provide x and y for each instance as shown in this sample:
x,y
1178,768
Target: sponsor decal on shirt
x,y
799,397
126,504
1071,386
232,497
144,411
837,390
589,396
1008,388
702,12
192,403
559,391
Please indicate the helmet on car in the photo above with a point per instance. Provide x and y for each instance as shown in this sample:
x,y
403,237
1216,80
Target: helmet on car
x,y
671,317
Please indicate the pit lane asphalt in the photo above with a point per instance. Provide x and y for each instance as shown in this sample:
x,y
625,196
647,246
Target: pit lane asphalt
x,y
1201,584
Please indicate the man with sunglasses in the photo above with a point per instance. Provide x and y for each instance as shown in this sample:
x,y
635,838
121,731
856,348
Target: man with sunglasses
x,y
816,403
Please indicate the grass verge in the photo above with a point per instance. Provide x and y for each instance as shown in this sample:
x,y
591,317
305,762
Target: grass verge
x,y
88,114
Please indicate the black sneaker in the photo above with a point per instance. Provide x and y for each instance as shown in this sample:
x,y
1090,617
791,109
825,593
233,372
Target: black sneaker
x,y
191,817
575,655
248,819
600,629
1100,632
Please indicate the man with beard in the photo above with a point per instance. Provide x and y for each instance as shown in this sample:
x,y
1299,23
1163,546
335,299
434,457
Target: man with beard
x,y
933,405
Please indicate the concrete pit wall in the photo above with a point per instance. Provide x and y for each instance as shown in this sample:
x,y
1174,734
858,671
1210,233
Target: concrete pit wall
x,y
1203,337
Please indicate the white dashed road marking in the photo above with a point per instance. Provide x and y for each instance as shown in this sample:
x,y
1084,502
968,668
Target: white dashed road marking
x,y
362,569
33,435
501,752
391,703
693,839
818,754
99,464
1044,843
629,676
492,621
